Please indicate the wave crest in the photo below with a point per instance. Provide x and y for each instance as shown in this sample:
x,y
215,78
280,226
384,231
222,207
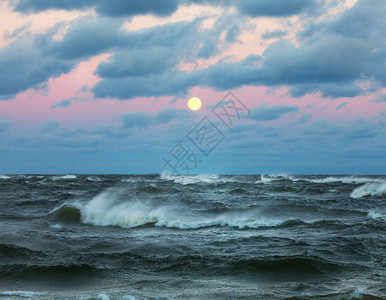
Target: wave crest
x,y
369,189
376,215
65,177
191,179
113,208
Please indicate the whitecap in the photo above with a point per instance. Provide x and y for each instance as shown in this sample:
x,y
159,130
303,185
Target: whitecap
x,y
357,293
26,294
97,179
369,189
376,215
65,177
103,297
107,209
192,179
346,179
56,226
272,177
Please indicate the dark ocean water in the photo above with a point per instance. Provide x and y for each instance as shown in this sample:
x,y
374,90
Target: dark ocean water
x,y
197,237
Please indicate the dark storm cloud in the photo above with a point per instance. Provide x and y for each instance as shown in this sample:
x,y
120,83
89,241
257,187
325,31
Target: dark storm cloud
x,y
23,65
333,90
117,8
170,83
111,8
269,113
274,34
364,22
29,62
63,103
340,106
304,118
4,125
68,102
50,126
86,37
168,114
381,98
272,8
332,56
147,64
142,120
138,62
277,8
136,119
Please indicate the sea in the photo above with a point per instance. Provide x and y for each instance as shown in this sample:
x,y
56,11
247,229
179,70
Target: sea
x,y
206,236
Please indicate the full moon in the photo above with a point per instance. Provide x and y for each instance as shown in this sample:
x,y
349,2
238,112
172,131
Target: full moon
x,y
194,103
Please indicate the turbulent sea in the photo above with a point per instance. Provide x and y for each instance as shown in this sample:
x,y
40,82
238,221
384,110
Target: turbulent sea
x,y
192,237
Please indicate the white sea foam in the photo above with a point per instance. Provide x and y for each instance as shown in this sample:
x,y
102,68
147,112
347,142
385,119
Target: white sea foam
x,y
330,179
133,179
376,215
349,179
357,293
4,177
63,177
237,222
25,294
273,177
191,179
103,297
106,209
56,226
94,179
369,189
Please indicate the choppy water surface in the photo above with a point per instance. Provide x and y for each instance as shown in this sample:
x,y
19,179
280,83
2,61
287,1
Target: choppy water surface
x,y
192,237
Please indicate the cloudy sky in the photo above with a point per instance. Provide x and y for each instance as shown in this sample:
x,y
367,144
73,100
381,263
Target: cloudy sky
x,y
102,86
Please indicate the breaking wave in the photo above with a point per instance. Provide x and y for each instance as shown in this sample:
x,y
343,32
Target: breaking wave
x,y
107,209
369,189
273,177
266,179
376,215
25,294
191,179
96,179
65,177
4,177
349,179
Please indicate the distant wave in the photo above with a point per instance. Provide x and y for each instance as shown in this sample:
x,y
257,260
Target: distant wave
x,y
24,294
192,179
65,177
356,294
4,177
273,177
349,179
266,179
369,189
97,179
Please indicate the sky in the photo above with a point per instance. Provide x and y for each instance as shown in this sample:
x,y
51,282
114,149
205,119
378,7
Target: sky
x,y
101,87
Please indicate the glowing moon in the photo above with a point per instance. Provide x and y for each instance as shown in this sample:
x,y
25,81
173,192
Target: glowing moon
x,y
194,103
